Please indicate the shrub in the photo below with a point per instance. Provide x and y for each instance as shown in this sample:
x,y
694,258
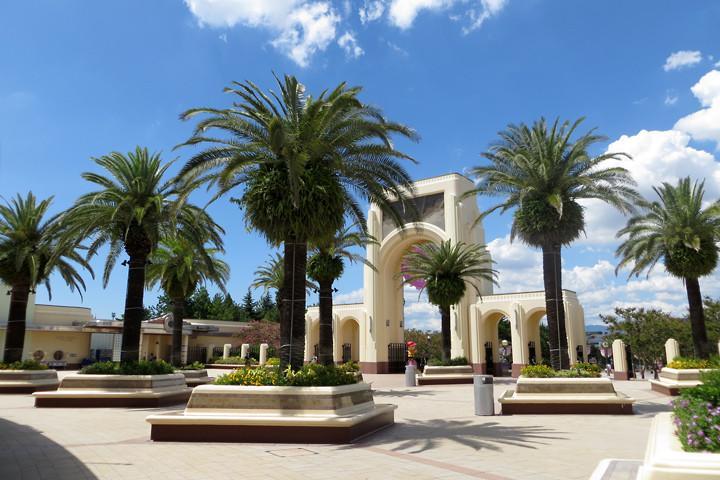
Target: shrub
x,y
193,366
234,361
579,370
24,365
311,375
537,371
272,361
142,367
697,415
453,362
683,363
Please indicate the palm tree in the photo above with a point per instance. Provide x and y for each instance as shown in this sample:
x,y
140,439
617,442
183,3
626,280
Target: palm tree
x,y
543,173
303,162
325,265
32,248
179,264
446,270
133,209
269,276
678,231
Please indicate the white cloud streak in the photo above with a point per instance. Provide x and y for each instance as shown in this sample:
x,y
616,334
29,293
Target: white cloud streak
x,y
682,59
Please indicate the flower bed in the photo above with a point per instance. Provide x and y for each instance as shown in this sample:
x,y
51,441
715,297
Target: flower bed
x,y
685,363
311,375
697,415
579,370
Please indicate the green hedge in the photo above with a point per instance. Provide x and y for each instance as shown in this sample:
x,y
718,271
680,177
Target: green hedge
x,y
142,367
24,365
234,361
311,375
453,362
697,415
579,370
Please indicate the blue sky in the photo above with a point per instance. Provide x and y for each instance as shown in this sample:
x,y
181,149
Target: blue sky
x,y
81,79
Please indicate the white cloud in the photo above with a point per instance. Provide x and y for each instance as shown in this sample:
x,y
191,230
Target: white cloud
x,y
397,49
670,99
717,64
355,296
302,27
371,10
657,156
489,9
705,123
223,37
402,13
682,59
349,44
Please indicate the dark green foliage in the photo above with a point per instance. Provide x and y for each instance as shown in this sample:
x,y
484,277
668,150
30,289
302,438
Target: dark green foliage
x,y
579,370
453,362
23,365
323,266
193,366
542,223
314,215
141,367
679,258
428,343
248,306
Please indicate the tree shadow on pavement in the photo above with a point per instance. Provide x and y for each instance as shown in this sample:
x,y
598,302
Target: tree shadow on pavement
x,y
427,435
26,453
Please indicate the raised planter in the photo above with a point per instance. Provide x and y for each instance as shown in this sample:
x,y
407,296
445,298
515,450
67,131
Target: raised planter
x,y
79,390
666,460
438,375
267,414
28,381
193,378
565,395
672,380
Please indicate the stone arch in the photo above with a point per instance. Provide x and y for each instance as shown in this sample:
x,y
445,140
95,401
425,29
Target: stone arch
x,y
349,333
532,320
488,340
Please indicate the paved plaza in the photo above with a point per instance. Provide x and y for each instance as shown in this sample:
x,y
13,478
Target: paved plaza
x,y
436,436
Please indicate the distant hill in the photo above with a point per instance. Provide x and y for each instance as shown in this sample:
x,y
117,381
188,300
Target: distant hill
x,y
596,329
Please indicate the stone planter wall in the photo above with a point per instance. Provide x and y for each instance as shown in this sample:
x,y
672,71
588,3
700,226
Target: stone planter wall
x,y
193,378
28,381
79,390
673,380
666,460
565,395
225,413
441,375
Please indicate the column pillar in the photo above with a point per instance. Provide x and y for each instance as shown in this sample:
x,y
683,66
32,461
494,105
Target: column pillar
x,y
263,353
672,350
619,360
519,342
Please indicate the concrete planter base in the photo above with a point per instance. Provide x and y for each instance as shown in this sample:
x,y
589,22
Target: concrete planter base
x,y
673,380
666,460
446,375
80,390
194,378
565,396
28,381
223,413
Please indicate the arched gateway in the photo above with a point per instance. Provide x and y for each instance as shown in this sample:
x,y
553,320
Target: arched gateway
x,y
372,331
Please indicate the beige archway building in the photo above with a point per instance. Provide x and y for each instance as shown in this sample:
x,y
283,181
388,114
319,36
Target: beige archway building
x,y
372,332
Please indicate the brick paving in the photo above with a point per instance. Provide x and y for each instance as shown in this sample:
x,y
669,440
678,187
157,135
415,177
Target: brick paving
x,y
436,436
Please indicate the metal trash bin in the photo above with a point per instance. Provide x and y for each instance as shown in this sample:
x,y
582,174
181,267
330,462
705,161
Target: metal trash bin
x,y
410,376
483,393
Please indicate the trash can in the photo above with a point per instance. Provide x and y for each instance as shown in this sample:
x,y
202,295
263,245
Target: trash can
x,y
483,392
410,376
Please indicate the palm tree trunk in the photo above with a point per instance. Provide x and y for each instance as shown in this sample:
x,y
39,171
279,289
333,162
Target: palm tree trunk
x,y
697,318
134,310
325,342
445,328
15,333
554,309
178,312
292,311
